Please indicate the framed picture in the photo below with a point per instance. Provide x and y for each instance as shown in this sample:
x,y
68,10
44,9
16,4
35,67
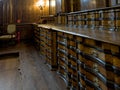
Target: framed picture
x,y
118,1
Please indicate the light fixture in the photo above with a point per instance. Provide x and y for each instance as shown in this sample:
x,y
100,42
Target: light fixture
x,y
53,3
40,4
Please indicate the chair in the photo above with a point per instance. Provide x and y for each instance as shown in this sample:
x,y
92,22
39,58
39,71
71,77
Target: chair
x,y
11,33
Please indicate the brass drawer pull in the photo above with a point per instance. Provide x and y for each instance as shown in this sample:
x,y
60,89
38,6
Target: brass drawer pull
x,y
95,67
96,82
95,54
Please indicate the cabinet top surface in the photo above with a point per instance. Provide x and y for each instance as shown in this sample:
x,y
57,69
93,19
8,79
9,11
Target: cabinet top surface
x,y
108,36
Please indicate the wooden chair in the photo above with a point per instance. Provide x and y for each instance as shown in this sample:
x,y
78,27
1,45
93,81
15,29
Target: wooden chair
x,y
11,33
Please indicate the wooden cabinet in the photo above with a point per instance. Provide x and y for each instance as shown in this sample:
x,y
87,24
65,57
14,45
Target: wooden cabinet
x,y
83,63
51,49
62,53
36,36
45,41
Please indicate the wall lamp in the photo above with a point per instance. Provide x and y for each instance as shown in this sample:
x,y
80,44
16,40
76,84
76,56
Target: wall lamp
x,y
40,4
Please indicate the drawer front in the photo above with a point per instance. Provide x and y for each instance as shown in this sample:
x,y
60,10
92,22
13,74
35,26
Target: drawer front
x,y
60,39
117,79
62,63
116,55
79,39
97,23
89,42
62,71
62,34
96,81
71,52
74,82
71,43
81,68
73,63
69,70
96,67
98,54
116,61
81,79
62,47
80,47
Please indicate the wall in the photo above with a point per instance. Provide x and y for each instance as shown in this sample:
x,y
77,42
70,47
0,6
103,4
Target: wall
x,y
1,13
25,12
92,4
77,5
58,6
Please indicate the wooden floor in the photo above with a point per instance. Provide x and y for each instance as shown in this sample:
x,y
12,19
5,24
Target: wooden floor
x,y
28,71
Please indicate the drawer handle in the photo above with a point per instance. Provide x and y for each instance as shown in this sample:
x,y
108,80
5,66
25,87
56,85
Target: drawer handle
x,y
96,81
70,47
78,51
95,68
95,54
65,40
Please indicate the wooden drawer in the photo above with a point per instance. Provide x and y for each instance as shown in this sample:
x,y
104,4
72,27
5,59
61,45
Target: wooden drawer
x,y
62,63
64,40
79,39
89,42
71,43
117,23
81,68
114,49
96,81
69,82
79,44
116,55
49,44
42,32
90,15
99,54
49,49
62,72
108,23
81,79
62,34
70,37
48,37
117,79
62,47
75,82
69,70
49,32
72,52
82,59
117,17
81,23
97,23
63,52
48,60
69,76
43,43
62,55
43,39
74,71
98,68
49,54
88,23
80,47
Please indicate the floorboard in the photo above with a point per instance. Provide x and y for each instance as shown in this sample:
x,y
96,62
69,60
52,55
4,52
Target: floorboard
x,y
30,73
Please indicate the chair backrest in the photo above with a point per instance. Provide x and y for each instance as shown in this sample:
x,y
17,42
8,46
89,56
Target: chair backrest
x,y
11,28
